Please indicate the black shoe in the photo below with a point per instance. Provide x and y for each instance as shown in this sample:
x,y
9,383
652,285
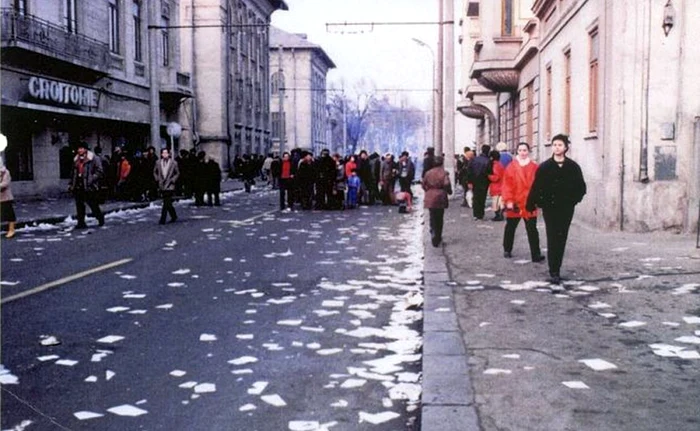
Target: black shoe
x,y
101,220
554,279
161,221
538,259
173,220
436,241
81,226
507,254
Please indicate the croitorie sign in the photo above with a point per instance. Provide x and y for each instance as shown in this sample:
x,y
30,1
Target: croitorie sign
x,y
61,92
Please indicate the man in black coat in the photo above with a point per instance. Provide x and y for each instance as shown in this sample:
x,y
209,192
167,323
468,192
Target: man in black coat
x,y
478,177
305,180
325,179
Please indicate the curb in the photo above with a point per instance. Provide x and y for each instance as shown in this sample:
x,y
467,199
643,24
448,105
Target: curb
x,y
126,206
448,400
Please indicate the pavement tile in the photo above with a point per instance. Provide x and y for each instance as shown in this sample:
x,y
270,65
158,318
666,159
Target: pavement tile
x,y
440,321
444,365
449,418
443,343
447,389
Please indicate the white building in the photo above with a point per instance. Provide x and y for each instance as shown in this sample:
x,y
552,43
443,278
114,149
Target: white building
x,y
299,69
621,78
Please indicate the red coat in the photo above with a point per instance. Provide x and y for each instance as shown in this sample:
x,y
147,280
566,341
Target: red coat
x,y
349,167
496,179
516,186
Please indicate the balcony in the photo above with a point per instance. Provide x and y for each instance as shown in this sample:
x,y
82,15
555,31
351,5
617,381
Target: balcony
x,y
27,34
494,64
172,91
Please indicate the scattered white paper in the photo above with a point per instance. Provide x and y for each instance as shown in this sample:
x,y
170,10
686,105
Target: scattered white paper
x,y
691,320
353,383
127,410
49,340
378,418
109,374
575,385
177,373
257,388
203,388
247,408
632,324
598,364
243,360
90,379
688,339
85,415
47,358
495,371
117,309
66,362
109,339
182,271
274,400
207,337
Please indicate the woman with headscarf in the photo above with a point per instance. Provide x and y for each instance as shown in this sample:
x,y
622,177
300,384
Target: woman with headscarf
x,y
7,210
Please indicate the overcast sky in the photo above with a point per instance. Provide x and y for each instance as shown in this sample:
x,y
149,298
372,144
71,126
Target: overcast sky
x,y
383,54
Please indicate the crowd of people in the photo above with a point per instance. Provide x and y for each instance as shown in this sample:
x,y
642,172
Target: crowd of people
x,y
332,182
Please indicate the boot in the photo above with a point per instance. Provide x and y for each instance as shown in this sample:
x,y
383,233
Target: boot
x,y
498,216
10,230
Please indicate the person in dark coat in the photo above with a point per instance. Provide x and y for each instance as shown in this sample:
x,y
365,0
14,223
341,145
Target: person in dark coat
x,y
200,178
478,177
407,172
428,160
149,161
557,189
276,171
325,180
437,185
213,182
85,184
305,180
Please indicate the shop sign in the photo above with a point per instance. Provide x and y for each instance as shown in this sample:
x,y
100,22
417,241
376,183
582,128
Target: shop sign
x,y
62,93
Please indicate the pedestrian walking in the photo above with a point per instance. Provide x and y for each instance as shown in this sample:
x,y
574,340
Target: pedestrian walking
x,y
479,181
7,209
286,182
166,174
437,185
558,187
496,185
85,184
213,182
517,181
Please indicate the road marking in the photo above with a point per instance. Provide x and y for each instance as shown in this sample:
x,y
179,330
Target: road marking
x,y
250,220
65,280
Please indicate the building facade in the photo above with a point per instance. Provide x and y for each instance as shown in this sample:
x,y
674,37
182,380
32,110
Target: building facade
x,y
620,78
225,48
77,71
298,80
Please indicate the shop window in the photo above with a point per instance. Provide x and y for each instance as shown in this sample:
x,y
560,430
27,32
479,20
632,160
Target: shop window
x,y
18,155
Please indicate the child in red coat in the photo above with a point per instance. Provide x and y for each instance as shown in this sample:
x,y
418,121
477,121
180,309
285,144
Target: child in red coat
x,y
496,185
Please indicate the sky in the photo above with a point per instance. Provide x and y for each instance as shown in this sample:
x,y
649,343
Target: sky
x,y
383,54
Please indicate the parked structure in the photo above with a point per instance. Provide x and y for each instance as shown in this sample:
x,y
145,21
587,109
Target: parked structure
x,y
619,77
298,78
79,71
226,49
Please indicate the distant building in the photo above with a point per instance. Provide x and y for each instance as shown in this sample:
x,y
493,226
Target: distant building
x,y
621,78
77,71
226,49
300,79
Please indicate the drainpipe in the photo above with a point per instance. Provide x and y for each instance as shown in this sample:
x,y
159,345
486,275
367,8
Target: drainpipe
x,y
644,156
229,87
153,75
193,69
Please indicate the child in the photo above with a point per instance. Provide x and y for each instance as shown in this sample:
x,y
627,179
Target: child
x,y
353,188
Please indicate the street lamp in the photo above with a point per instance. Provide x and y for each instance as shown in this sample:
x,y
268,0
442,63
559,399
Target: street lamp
x,y
435,99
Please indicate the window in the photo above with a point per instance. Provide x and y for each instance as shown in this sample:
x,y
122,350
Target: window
x,y
507,17
20,6
165,33
138,41
114,26
473,9
593,82
278,124
70,19
567,92
548,104
529,113
277,82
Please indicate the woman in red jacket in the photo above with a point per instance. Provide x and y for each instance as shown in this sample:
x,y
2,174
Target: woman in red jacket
x,y
518,178
496,186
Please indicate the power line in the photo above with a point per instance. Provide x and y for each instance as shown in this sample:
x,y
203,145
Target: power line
x,y
382,90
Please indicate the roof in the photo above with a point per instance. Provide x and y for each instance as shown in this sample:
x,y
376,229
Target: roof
x,y
296,41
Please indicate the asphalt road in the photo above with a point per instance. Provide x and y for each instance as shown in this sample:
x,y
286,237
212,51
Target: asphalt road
x,y
237,317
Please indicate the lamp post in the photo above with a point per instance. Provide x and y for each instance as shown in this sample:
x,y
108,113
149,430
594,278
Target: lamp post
x,y
433,93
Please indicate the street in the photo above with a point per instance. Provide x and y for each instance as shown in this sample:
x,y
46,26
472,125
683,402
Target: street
x,y
238,317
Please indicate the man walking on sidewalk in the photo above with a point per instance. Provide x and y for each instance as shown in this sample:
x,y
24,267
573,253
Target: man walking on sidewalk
x,y
479,181
85,184
166,174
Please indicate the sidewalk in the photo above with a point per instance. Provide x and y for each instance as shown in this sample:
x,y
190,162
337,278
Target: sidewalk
x,y
499,347
34,211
